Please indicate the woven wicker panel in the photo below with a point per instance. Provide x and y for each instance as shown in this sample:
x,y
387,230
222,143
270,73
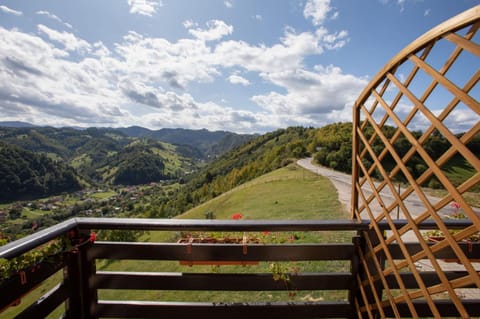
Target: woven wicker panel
x,y
416,119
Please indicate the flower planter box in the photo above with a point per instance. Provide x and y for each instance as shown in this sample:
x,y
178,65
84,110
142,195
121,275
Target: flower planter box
x,y
210,240
471,244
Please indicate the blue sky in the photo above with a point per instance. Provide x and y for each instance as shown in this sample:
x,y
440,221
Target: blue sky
x,y
239,65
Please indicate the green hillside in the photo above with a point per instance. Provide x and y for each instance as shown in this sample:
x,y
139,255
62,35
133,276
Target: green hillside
x,y
287,193
209,144
107,155
255,158
24,174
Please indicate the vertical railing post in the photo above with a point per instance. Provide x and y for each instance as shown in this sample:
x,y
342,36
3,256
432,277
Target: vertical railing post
x,y
372,267
72,274
354,293
355,151
77,273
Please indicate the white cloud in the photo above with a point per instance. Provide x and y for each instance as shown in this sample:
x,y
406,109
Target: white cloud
x,y
216,30
289,53
317,11
100,49
67,39
173,64
144,80
308,92
7,10
144,7
335,40
188,24
228,3
54,17
38,82
237,79
258,17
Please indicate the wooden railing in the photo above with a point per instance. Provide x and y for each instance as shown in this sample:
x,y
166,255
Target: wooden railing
x,y
79,286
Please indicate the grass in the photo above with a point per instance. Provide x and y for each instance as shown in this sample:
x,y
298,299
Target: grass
x,y
458,170
103,195
288,193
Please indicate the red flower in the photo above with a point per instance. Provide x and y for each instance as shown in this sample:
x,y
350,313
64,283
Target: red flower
x,y
93,237
455,205
265,233
237,216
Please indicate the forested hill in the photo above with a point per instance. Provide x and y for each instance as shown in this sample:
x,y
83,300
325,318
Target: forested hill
x,y
106,155
24,173
211,144
258,156
333,146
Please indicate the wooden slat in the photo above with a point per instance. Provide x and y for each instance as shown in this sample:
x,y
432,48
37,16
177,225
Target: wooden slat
x,y
220,252
446,308
471,250
226,282
430,278
46,304
294,310
16,286
464,43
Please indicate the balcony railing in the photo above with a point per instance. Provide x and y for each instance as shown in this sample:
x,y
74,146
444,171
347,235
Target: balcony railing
x,y
79,287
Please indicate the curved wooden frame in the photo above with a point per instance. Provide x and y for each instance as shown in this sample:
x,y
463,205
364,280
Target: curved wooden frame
x,y
376,295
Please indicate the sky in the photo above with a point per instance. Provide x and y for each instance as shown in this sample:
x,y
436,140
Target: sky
x,y
246,66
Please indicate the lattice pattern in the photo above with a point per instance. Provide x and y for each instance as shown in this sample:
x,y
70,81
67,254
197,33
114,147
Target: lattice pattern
x,y
416,118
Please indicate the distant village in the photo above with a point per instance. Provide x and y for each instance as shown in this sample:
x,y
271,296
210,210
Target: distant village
x,y
90,202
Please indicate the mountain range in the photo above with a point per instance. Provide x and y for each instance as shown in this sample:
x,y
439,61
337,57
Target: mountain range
x,y
132,155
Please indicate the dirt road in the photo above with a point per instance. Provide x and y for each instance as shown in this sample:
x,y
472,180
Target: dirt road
x,y
343,184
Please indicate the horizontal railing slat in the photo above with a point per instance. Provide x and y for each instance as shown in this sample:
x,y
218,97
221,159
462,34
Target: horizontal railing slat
x,y
471,250
220,252
17,286
46,304
445,307
429,278
179,310
226,282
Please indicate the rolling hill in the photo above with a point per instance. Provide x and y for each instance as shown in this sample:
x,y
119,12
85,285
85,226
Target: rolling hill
x,y
24,174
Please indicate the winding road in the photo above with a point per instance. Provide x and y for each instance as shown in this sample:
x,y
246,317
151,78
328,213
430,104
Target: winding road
x,y
343,184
